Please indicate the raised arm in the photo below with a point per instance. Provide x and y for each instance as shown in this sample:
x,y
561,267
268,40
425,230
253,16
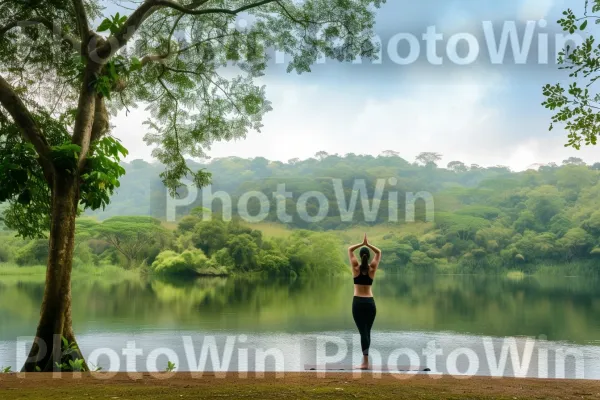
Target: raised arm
x,y
352,249
377,257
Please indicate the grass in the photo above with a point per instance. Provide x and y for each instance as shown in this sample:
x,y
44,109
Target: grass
x,y
38,272
291,386
7,269
351,235
515,275
271,229
576,268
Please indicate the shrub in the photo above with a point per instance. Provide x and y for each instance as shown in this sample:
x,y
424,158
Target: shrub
x,y
83,255
421,260
223,258
33,253
6,253
273,264
190,262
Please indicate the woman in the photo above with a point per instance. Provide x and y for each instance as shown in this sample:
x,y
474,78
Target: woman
x,y
363,304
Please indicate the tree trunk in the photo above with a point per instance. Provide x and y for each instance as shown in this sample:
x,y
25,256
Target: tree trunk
x,y
55,314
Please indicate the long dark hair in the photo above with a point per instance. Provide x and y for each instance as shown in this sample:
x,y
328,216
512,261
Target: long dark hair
x,y
365,255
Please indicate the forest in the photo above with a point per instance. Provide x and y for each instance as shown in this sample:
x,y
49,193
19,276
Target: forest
x,y
484,219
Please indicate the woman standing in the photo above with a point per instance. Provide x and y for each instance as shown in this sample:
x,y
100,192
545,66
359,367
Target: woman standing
x,y
363,304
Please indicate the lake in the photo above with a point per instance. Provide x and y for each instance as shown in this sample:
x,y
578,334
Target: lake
x,y
467,324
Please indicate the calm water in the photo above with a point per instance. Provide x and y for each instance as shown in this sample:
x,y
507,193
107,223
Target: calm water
x,y
468,319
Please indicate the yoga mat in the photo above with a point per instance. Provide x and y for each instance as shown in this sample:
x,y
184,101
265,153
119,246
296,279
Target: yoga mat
x,y
350,367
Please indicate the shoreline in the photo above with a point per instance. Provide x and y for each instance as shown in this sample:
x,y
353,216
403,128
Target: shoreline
x,y
307,384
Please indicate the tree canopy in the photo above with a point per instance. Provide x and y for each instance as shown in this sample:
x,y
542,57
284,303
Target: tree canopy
x,y
188,62
576,105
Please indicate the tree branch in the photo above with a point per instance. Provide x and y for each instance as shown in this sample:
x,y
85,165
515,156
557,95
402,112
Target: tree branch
x,y
54,28
186,10
160,57
29,128
82,21
82,131
114,43
154,57
100,126
147,8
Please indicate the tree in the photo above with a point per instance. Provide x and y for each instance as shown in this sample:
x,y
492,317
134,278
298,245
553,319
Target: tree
x,y
243,250
130,236
526,221
421,260
462,226
575,178
457,166
577,106
59,77
560,224
429,158
575,242
536,246
544,202
573,161
321,155
210,236
592,224
503,169
390,153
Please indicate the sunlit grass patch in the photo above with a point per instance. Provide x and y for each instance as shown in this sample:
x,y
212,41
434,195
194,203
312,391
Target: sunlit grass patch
x,y
271,229
516,275
14,269
38,272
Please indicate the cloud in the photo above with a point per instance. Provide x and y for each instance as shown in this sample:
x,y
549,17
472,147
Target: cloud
x,y
130,130
547,150
533,10
467,119
453,119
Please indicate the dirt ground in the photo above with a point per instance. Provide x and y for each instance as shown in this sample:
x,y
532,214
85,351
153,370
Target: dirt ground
x,y
307,385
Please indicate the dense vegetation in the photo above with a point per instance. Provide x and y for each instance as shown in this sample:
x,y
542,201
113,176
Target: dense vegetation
x,y
196,247
485,219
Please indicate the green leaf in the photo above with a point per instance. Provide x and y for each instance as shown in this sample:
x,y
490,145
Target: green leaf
x,y
582,27
136,64
105,25
25,197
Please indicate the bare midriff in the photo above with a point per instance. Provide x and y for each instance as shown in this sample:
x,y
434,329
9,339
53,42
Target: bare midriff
x,y
363,291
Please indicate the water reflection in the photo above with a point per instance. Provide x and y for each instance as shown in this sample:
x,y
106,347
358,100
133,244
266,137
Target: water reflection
x,y
456,307
564,309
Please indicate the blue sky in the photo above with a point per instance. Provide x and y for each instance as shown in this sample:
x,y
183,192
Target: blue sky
x,y
478,113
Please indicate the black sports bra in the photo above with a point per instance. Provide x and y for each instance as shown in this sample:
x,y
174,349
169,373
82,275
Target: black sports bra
x,y
363,279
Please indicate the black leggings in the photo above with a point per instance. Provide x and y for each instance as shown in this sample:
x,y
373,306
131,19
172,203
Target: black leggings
x,y
364,311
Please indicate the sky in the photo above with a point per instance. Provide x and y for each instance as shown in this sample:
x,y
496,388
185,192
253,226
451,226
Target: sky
x,y
487,111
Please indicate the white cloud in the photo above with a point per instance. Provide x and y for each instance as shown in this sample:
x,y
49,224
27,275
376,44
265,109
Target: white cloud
x,y
462,120
452,119
547,150
533,10
130,130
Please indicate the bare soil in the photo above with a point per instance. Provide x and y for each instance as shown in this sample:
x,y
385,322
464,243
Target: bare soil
x,y
307,385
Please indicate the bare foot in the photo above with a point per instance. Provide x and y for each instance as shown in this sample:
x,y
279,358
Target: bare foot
x,y
362,366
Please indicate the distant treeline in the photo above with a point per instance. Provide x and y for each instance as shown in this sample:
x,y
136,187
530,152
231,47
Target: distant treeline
x,y
485,219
